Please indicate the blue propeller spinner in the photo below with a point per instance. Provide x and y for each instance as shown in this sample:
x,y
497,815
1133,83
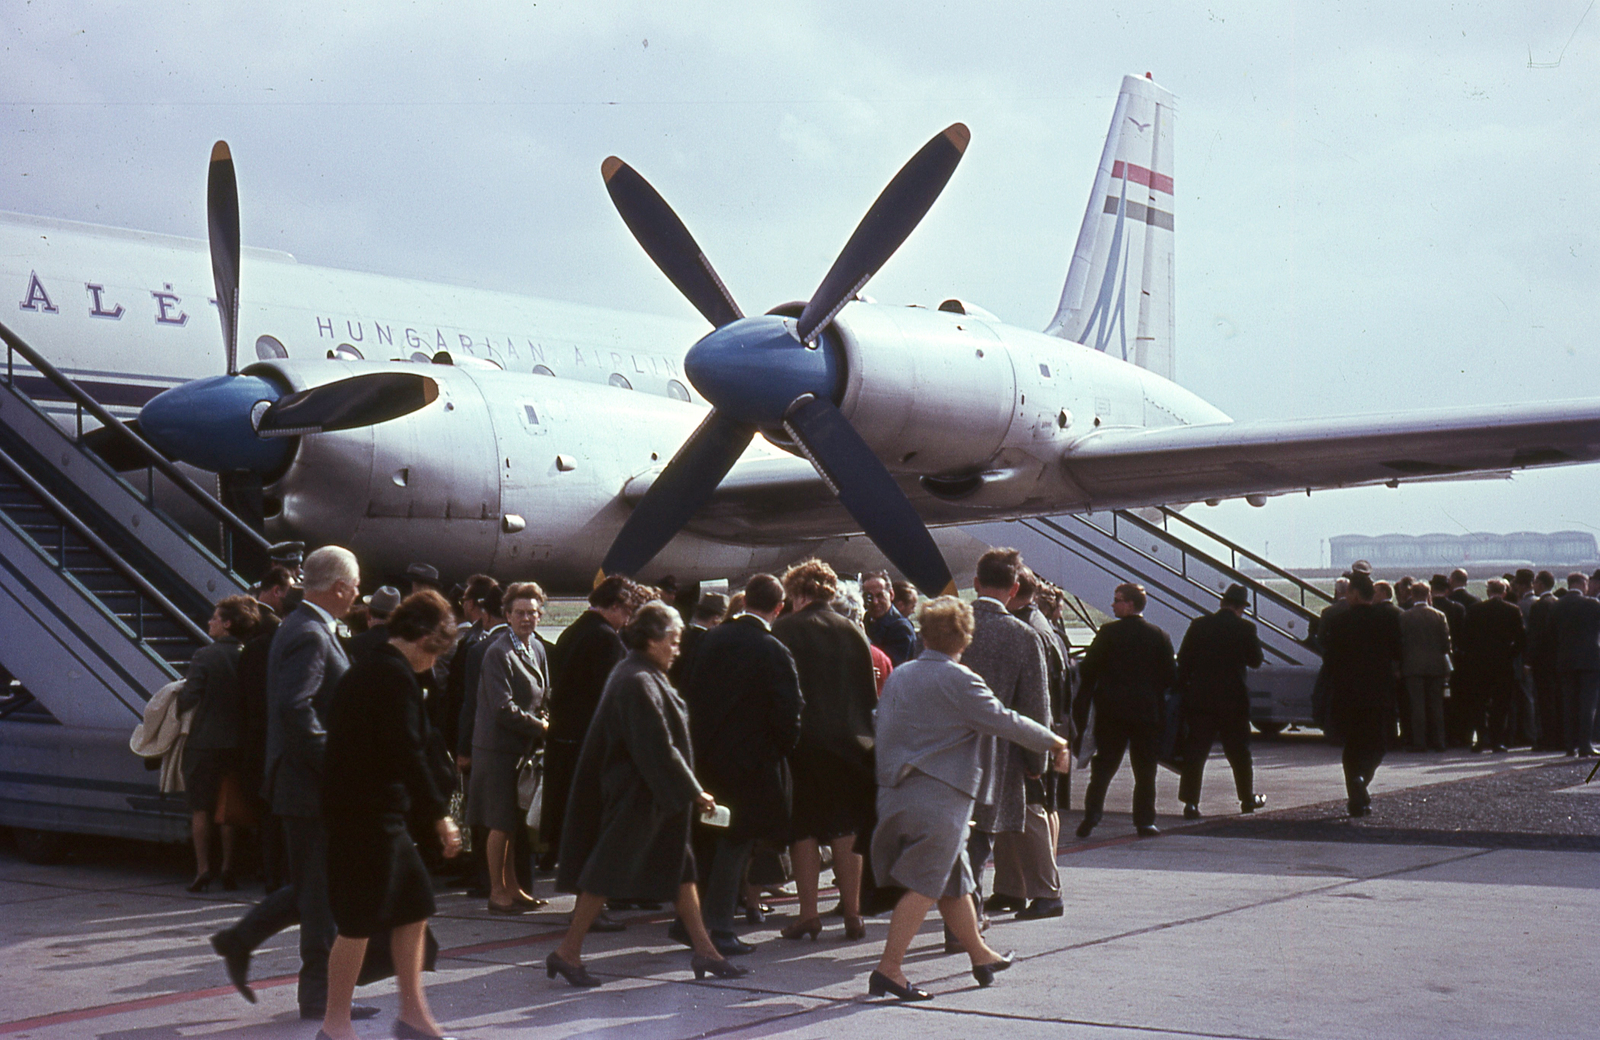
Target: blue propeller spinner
x,y
781,374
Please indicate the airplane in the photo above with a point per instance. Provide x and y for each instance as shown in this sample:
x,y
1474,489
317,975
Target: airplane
x,y
536,439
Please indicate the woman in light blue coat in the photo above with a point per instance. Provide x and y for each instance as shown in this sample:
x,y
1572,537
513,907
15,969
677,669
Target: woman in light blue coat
x,y
930,718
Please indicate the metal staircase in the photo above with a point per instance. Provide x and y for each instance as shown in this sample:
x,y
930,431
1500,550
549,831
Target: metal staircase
x,y
1184,567
102,599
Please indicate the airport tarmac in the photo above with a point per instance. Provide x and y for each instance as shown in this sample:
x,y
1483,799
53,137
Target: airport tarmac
x,y
1463,907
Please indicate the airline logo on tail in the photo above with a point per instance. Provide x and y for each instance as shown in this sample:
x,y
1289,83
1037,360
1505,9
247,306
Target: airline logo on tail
x,y
1127,236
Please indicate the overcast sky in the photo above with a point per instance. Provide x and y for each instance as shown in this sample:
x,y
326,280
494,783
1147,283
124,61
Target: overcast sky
x,y
1378,206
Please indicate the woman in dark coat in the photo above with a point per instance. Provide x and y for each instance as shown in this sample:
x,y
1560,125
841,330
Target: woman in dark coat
x,y
375,774
634,795
834,786
216,731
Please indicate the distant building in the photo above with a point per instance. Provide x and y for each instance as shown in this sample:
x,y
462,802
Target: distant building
x,y
1480,552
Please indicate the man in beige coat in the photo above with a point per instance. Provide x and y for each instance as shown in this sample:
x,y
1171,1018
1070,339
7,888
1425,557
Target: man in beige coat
x,y
1425,663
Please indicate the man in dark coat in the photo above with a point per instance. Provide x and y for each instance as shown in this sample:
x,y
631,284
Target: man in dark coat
x,y
1577,632
1540,656
1212,660
705,616
379,606
1362,655
744,718
887,628
584,656
304,664
1494,637
1125,675
1455,614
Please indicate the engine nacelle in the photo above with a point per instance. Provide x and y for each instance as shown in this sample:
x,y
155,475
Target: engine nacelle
x,y
933,392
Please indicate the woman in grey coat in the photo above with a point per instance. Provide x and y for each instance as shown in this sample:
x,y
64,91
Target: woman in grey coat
x,y
930,720
634,795
510,723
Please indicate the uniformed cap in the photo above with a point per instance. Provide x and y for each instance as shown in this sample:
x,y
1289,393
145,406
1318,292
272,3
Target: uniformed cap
x,y
1236,595
287,554
383,601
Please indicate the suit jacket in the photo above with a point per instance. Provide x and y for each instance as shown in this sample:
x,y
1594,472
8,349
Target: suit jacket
x,y
688,650
211,691
1126,672
1361,658
1009,656
894,635
745,706
579,668
1212,660
1540,652
1456,614
936,715
363,644
1058,667
1494,636
512,684
304,664
1424,641
1576,620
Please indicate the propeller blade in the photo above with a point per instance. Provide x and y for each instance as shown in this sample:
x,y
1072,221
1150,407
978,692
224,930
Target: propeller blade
x,y
683,487
887,224
866,489
667,241
347,404
222,227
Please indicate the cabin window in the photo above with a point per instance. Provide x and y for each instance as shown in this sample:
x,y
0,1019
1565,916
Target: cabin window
x,y
677,391
268,348
542,370
620,381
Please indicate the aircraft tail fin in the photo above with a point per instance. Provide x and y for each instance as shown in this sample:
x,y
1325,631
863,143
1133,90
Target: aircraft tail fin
x,y
1118,296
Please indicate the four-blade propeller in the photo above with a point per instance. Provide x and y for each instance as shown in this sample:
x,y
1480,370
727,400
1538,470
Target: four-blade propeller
x,y
781,374
226,423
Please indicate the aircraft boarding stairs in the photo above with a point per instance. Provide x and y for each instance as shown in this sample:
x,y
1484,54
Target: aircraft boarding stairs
x,y
1184,567
103,598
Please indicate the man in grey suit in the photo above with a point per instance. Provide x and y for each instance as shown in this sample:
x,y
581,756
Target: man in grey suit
x,y
1009,655
304,663
1425,665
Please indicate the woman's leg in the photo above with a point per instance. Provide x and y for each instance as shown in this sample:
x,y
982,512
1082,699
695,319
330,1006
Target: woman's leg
x,y
229,838
962,920
807,863
344,964
847,874
688,907
200,832
406,944
584,912
908,916
498,855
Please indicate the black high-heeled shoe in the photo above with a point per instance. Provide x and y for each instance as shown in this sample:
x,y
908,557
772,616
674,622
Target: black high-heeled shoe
x,y
854,928
576,974
984,973
879,984
704,966
202,882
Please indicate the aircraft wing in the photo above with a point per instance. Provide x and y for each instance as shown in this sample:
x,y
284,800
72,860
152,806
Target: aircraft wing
x,y
1125,468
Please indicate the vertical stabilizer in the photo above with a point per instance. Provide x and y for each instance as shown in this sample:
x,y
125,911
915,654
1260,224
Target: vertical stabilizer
x,y
1118,296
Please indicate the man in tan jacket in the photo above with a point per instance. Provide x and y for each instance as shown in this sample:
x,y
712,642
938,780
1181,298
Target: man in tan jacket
x,y
1425,663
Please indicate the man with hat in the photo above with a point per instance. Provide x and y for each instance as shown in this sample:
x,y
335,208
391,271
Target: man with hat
x,y
423,576
1216,700
379,606
288,555
1361,659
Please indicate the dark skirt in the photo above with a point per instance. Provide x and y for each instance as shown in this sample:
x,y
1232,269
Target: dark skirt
x,y
203,770
492,791
832,797
376,880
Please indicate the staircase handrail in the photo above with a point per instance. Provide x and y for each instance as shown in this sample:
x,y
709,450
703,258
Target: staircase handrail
x,y
153,458
1260,561
107,553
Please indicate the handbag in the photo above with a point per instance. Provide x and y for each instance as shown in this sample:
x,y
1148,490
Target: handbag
x,y
528,775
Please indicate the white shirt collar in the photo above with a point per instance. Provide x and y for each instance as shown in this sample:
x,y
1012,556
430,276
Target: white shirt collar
x,y
757,617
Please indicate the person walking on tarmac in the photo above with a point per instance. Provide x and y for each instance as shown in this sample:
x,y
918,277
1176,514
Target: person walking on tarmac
x,y
1216,701
1361,657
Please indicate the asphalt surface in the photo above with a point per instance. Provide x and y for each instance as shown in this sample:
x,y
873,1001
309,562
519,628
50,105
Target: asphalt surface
x,y
1461,907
